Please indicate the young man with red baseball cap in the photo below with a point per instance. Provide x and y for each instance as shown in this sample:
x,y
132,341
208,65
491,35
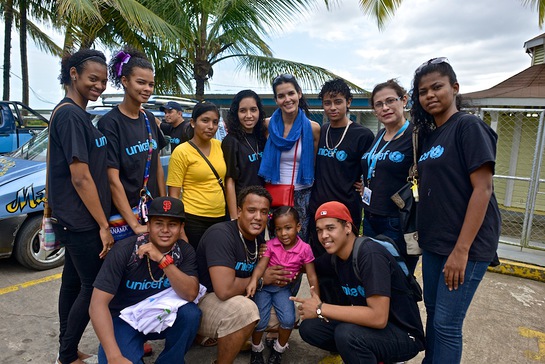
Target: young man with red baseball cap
x,y
382,322
139,267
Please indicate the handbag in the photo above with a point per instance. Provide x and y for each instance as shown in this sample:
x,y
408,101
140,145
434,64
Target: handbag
x,y
119,228
48,240
406,199
283,195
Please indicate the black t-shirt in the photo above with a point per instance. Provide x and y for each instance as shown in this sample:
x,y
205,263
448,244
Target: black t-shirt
x,y
222,245
127,277
391,171
337,169
381,275
179,134
243,159
73,137
128,151
449,155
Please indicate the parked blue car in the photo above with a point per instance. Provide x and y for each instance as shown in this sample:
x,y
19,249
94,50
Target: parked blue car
x,y
22,189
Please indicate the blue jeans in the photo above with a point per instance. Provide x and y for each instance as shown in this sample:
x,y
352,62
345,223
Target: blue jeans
x,y
178,338
360,344
446,309
279,298
81,266
374,225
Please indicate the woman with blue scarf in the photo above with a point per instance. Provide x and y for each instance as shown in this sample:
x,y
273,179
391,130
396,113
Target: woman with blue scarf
x,y
291,130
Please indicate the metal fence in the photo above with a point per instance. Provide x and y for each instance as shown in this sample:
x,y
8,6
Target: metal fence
x,y
519,176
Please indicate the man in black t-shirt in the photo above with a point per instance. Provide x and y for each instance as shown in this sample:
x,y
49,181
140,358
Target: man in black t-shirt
x,y
137,268
226,256
175,126
382,322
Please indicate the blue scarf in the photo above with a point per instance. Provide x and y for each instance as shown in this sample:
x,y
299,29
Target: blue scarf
x,y
276,144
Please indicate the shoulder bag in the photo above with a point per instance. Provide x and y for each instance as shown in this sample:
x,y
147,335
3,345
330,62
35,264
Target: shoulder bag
x,y
406,199
282,195
48,241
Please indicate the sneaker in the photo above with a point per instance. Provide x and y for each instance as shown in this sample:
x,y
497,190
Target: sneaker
x,y
256,357
275,358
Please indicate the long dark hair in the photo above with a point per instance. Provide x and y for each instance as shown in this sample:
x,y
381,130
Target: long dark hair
x,y
124,62
79,60
287,78
233,121
423,120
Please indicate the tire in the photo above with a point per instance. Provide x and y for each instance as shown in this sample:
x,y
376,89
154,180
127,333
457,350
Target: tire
x,y
27,247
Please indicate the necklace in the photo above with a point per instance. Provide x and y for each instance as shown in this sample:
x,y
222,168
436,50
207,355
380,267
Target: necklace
x,y
151,275
340,141
251,258
256,153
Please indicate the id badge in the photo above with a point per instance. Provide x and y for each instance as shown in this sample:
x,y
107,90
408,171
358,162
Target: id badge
x,y
366,197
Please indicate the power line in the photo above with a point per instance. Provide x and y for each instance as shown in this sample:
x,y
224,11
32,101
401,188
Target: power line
x,y
31,89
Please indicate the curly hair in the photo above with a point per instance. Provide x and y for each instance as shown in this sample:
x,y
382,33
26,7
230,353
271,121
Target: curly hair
x,y
392,84
282,211
423,120
233,121
79,61
287,78
336,86
123,63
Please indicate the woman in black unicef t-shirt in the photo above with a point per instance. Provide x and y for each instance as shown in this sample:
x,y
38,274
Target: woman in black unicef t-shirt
x,y
243,145
126,129
458,216
78,193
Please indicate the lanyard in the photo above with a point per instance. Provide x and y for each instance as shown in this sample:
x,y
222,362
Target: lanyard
x,y
372,158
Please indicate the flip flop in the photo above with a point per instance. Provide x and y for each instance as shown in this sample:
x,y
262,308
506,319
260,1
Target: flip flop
x,y
208,342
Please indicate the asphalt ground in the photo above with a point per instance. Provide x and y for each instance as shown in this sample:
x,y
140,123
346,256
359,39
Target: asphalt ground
x,y
505,323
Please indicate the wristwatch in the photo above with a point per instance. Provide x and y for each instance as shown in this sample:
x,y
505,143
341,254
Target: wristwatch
x,y
319,312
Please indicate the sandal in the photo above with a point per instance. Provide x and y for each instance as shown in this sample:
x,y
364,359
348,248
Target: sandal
x,y
208,342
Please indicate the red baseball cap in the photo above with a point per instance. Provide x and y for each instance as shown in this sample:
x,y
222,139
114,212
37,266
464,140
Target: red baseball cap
x,y
333,209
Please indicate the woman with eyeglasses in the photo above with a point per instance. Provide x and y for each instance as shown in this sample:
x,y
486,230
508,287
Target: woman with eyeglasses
x,y
458,216
290,131
386,166
243,145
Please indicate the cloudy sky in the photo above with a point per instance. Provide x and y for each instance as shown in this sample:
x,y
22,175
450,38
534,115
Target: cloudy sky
x,y
483,40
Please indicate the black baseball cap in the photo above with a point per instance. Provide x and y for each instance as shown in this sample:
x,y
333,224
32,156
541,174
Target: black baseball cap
x,y
171,105
167,206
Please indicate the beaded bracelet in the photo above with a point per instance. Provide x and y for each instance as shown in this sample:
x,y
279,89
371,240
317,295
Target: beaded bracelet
x,y
166,261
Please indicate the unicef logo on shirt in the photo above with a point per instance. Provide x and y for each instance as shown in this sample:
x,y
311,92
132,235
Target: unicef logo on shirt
x,y
396,157
154,144
361,291
436,152
341,155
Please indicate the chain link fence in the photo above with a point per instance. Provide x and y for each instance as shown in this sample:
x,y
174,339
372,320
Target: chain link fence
x,y
519,174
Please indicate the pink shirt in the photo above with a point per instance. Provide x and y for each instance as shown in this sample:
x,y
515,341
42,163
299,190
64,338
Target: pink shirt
x,y
293,259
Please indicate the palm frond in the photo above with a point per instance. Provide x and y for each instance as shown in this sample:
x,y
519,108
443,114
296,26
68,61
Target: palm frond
x,y
381,10
539,5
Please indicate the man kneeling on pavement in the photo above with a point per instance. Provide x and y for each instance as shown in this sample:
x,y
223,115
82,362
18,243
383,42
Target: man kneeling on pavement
x,y
382,323
154,274
227,254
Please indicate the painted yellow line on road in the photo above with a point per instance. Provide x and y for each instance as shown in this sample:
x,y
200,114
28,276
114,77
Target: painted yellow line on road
x,y
522,270
16,287
540,354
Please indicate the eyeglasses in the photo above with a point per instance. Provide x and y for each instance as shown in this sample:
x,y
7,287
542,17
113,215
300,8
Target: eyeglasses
x,y
282,78
437,60
388,102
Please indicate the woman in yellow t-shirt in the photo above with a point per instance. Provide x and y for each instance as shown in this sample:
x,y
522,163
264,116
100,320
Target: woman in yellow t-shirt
x,y
190,176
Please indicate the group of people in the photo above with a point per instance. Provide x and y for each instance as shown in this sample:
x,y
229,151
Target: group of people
x,y
204,228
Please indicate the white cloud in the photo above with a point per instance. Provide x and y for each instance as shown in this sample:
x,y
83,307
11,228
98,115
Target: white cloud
x,y
483,40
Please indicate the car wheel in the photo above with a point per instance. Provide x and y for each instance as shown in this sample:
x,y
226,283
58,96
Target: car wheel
x,y
27,247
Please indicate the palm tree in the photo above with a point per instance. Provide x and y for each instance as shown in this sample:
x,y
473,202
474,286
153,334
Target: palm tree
x,y
25,27
216,30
